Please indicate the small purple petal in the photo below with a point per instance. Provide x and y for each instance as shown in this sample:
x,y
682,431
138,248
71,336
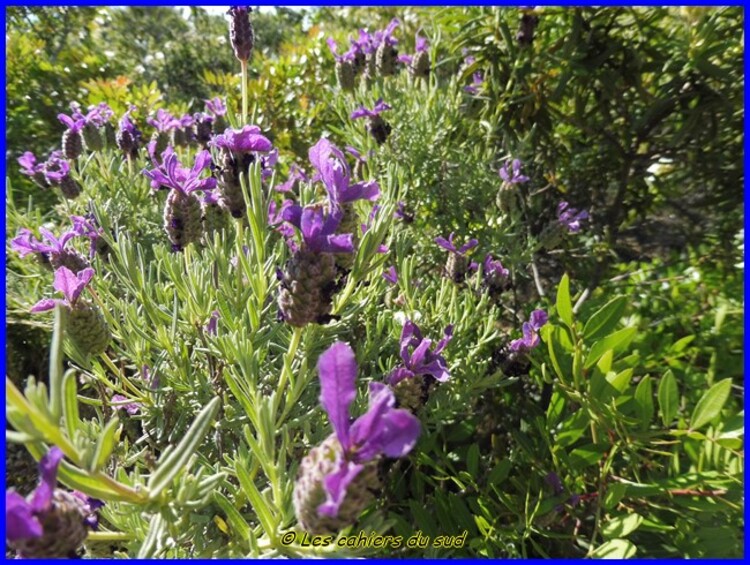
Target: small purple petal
x,y
337,369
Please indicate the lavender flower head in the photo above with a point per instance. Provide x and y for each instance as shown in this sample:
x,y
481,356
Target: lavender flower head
x,y
417,357
212,326
25,242
246,140
241,33
70,285
333,170
164,121
363,112
512,175
530,337
494,268
172,175
318,227
99,115
448,245
571,218
49,522
31,168
346,57
56,169
216,107
382,430
73,125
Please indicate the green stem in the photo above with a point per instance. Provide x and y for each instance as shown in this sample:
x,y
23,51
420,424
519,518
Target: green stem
x,y
286,373
56,372
243,65
109,536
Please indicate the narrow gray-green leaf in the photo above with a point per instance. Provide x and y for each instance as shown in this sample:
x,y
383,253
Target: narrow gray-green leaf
x,y
105,445
710,404
170,466
70,404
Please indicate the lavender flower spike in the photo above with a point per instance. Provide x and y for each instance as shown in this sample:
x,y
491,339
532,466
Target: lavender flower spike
x,y
382,430
50,522
245,140
31,168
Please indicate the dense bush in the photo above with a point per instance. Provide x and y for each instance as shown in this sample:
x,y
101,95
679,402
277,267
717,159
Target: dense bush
x,y
490,291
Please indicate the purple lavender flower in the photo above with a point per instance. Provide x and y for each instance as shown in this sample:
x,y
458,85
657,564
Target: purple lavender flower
x,y
99,115
85,228
317,227
54,251
296,174
172,175
71,124
119,402
477,80
382,430
212,326
164,121
70,285
216,107
391,275
530,337
246,140
513,175
346,57
571,218
128,135
448,244
420,47
49,522
56,169
334,171
494,268
31,168
417,357
363,112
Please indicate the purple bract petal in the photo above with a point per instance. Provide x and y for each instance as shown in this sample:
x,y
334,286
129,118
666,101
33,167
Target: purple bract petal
x,y
335,486
20,522
337,369
48,464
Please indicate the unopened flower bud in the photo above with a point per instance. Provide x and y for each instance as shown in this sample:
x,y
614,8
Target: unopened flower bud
x,y
386,58
241,32
307,287
182,219
87,328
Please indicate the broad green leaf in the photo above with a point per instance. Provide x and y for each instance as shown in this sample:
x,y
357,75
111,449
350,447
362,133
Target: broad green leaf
x,y
604,320
615,492
472,459
644,397
587,455
564,307
710,404
614,549
668,398
616,341
621,526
